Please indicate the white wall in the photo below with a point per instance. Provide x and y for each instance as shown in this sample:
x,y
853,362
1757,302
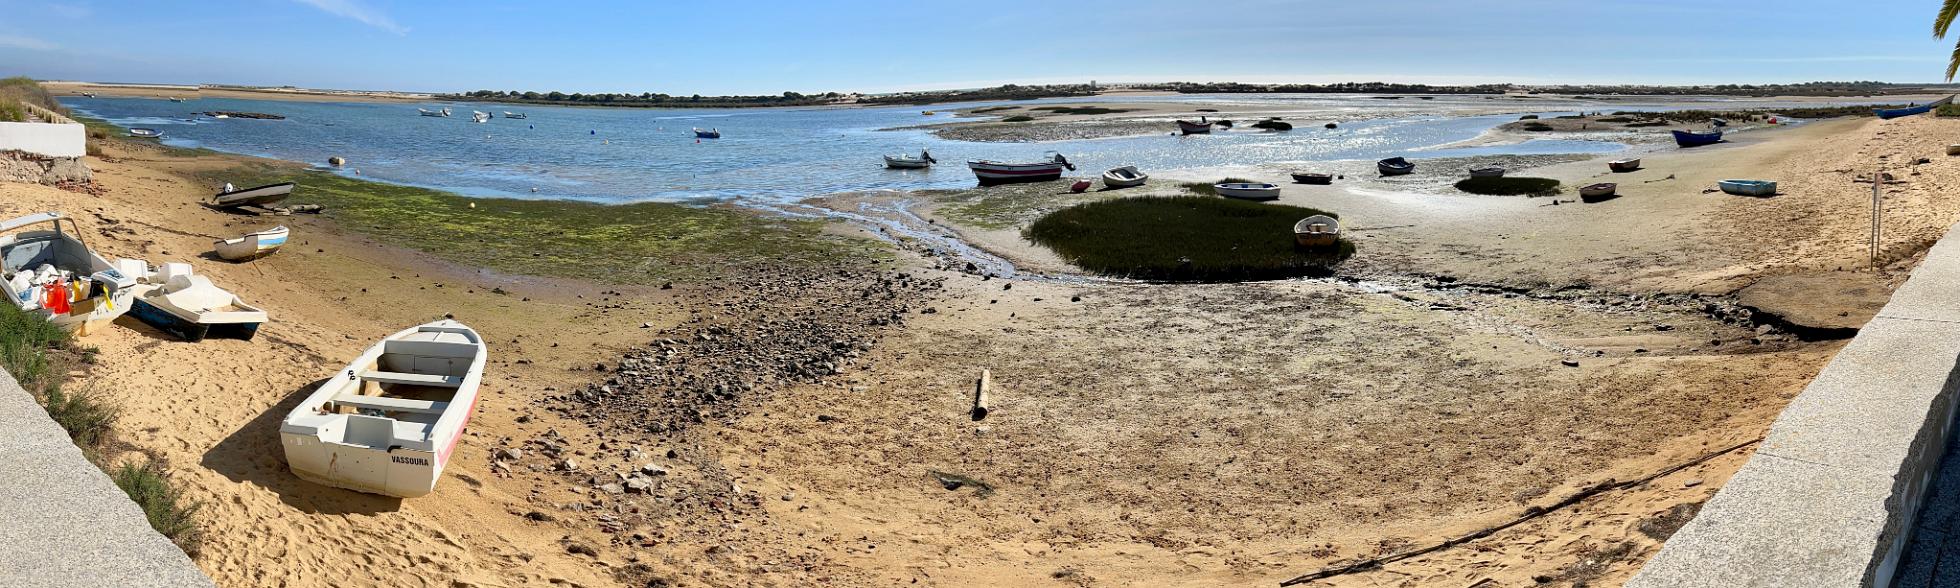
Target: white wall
x,y
46,139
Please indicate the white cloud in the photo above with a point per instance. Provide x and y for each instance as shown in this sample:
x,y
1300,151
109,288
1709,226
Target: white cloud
x,y
30,43
354,9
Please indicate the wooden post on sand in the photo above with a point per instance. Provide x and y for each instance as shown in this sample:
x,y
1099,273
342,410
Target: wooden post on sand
x,y
980,394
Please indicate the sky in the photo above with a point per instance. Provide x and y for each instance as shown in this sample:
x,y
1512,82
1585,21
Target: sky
x,y
715,47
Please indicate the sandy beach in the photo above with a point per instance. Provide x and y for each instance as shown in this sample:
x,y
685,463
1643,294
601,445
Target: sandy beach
x,y
250,93
1480,357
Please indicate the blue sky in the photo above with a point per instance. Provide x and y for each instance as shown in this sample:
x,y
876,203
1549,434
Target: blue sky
x,y
768,46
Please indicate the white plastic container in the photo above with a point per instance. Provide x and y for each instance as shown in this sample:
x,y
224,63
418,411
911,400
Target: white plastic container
x,y
170,271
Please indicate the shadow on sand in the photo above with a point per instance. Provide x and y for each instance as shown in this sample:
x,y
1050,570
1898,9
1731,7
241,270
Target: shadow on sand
x,y
252,454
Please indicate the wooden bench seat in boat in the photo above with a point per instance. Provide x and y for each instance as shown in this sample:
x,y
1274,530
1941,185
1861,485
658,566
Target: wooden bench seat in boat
x,y
412,379
385,403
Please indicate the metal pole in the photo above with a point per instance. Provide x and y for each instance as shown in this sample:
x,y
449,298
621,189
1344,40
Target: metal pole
x,y
1877,178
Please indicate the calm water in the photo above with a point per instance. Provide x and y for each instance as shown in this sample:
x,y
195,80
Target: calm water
x,y
772,155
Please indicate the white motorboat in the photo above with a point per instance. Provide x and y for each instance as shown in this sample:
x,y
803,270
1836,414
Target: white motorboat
x,y
49,271
509,114
900,161
252,244
389,422
479,116
1248,190
258,196
427,112
193,310
994,172
1124,177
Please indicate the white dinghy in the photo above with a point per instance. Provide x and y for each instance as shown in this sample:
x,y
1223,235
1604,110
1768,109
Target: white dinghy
x,y
258,196
1124,177
51,273
388,422
252,244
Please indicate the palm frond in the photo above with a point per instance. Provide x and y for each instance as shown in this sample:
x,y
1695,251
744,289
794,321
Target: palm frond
x,y
1948,10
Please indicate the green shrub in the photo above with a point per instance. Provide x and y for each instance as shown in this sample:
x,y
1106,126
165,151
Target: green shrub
x,y
1208,189
1536,126
11,111
87,420
162,503
1510,186
1017,118
25,339
1947,110
1184,238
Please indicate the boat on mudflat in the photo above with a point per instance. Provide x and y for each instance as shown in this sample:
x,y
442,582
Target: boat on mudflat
x,y
1748,187
1487,172
1598,192
1202,127
1248,190
1891,113
993,172
252,245
388,423
1693,139
1124,177
146,133
258,196
1312,178
1317,231
1395,166
1623,165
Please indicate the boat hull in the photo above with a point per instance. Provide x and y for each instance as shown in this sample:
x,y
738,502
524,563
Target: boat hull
x,y
900,163
258,196
1248,191
251,246
1491,172
1395,167
991,174
1191,128
1623,166
189,329
1687,139
1748,188
1598,192
1124,177
1318,179
1316,231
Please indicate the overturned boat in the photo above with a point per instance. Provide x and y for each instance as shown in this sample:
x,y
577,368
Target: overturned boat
x,y
389,422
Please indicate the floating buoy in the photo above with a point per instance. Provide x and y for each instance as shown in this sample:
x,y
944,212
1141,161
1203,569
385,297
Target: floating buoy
x,y
594,132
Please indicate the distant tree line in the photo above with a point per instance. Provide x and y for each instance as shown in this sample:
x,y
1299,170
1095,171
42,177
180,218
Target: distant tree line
x,y
1002,92
647,99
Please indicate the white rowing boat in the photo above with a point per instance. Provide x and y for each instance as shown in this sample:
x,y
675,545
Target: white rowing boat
x,y
252,244
258,196
1124,177
389,422
1248,190
1317,231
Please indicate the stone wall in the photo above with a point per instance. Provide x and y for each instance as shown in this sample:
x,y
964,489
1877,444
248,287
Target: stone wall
x,y
19,166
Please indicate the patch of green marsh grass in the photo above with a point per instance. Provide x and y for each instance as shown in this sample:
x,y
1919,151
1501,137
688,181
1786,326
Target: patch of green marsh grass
x,y
1186,239
169,513
624,243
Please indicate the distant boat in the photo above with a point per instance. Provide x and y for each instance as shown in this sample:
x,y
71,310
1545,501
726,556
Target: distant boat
x,y
88,94
1487,172
924,160
176,99
1623,165
1248,190
1748,187
1317,231
427,112
925,113
251,245
1124,177
1891,113
707,134
1395,166
143,132
994,172
1598,192
258,196
509,114
479,116
1693,139
1312,178
1202,127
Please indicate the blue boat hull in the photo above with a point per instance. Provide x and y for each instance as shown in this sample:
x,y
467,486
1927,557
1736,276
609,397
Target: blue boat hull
x,y
189,330
1687,139
1898,112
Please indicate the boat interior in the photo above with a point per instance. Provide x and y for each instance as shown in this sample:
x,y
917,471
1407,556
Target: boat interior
x,y
400,395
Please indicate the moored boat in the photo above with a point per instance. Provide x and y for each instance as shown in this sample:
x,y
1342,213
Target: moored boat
x,y
1124,177
1598,192
993,172
1248,190
1748,187
1623,165
176,99
924,160
252,245
479,116
145,133
1487,172
1693,139
258,196
707,134
509,114
49,272
389,421
1201,127
1317,231
1395,166
427,112
189,307
1312,178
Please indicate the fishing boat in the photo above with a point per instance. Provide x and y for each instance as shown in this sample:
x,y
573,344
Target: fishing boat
x,y
47,270
1312,178
252,245
1486,172
1748,187
1124,177
258,196
389,421
479,116
1598,192
707,134
1891,113
189,307
1248,190
1395,166
1623,165
1693,139
146,133
1317,231
1202,127
517,115
900,161
994,172
427,112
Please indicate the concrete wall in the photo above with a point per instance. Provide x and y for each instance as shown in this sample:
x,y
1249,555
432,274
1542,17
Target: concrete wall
x,y
62,521
1831,496
44,139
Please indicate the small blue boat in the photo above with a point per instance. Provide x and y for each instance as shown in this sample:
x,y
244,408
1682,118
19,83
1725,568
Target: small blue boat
x,y
1891,113
707,134
1693,139
1748,187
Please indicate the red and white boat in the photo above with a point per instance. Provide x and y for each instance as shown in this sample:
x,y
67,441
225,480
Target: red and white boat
x,y
994,172
1202,127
